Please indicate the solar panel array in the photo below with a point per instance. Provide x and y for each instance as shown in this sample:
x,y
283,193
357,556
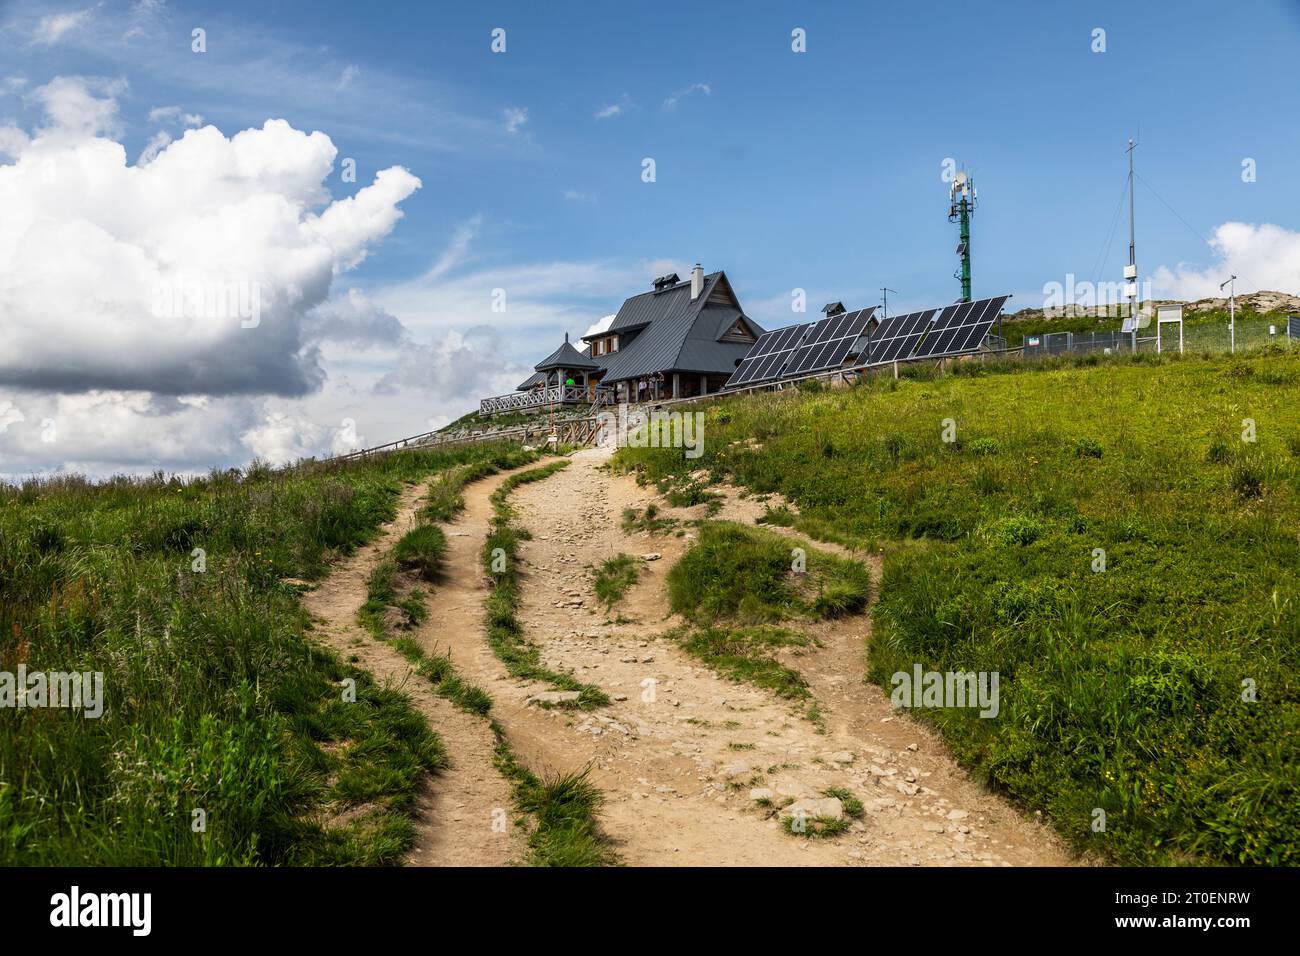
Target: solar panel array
x,y
1293,326
932,333
769,355
812,347
962,327
802,349
828,343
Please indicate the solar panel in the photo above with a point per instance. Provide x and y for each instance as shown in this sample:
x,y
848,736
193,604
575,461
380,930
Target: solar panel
x,y
769,355
961,328
897,336
829,342
1293,326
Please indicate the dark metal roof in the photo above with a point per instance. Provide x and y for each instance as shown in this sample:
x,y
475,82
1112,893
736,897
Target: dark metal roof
x,y
535,379
679,334
566,357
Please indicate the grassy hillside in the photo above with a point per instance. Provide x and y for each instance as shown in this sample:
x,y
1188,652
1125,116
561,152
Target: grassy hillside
x,y
1163,689
215,698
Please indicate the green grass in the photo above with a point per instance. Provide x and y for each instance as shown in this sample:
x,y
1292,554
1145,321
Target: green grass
x,y
505,633
614,577
649,520
815,828
748,575
746,654
852,805
565,810
216,697
445,498
736,583
421,550
1121,690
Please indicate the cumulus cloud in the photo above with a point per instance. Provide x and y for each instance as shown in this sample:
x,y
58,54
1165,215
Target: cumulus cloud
x,y
194,272
282,437
13,141
356,321
1262,256
75,111
458,364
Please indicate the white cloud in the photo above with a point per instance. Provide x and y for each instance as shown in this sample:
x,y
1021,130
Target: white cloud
x,y
672,101
1263,257
13,141
150,277
52,28
516,117
12,84
156,144
9,415
282,437
458,364
74,110
610,110
574,196
174,114
346,77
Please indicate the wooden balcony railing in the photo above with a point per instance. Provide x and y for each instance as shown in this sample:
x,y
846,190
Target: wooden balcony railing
x,y
539,398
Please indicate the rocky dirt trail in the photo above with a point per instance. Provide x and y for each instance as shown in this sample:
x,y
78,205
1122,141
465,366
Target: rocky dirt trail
x,y
457,806
682,753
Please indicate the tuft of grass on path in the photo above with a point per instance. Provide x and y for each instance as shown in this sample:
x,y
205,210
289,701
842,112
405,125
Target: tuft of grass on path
x,y
747,654
565,812
614,577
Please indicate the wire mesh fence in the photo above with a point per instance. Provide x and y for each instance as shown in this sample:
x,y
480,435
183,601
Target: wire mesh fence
x,y
1249,333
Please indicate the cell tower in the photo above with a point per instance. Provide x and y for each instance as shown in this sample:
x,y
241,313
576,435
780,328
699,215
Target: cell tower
x,y
962,202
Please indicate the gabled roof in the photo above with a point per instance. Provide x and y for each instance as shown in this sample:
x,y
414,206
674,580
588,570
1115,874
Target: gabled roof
x,y
679,333
566,357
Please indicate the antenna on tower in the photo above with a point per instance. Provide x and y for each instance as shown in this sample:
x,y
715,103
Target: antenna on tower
x,y
1131,270
962,200
884,301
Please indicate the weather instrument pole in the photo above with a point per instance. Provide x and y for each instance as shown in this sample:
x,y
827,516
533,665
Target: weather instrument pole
x,y
1131,270
1231,283
962,199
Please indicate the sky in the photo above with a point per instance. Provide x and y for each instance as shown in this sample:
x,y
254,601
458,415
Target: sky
x,y
277,229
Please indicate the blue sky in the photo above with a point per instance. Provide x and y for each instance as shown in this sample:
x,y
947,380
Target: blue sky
x,y
817,170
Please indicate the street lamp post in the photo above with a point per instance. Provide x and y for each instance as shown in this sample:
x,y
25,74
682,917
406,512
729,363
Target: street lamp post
x,y
1231,283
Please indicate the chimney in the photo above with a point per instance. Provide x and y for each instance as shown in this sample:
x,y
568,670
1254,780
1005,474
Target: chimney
x,y
697,282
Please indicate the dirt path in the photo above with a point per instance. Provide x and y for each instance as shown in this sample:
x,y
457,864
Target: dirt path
x,y
677,765
679,750
465,812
